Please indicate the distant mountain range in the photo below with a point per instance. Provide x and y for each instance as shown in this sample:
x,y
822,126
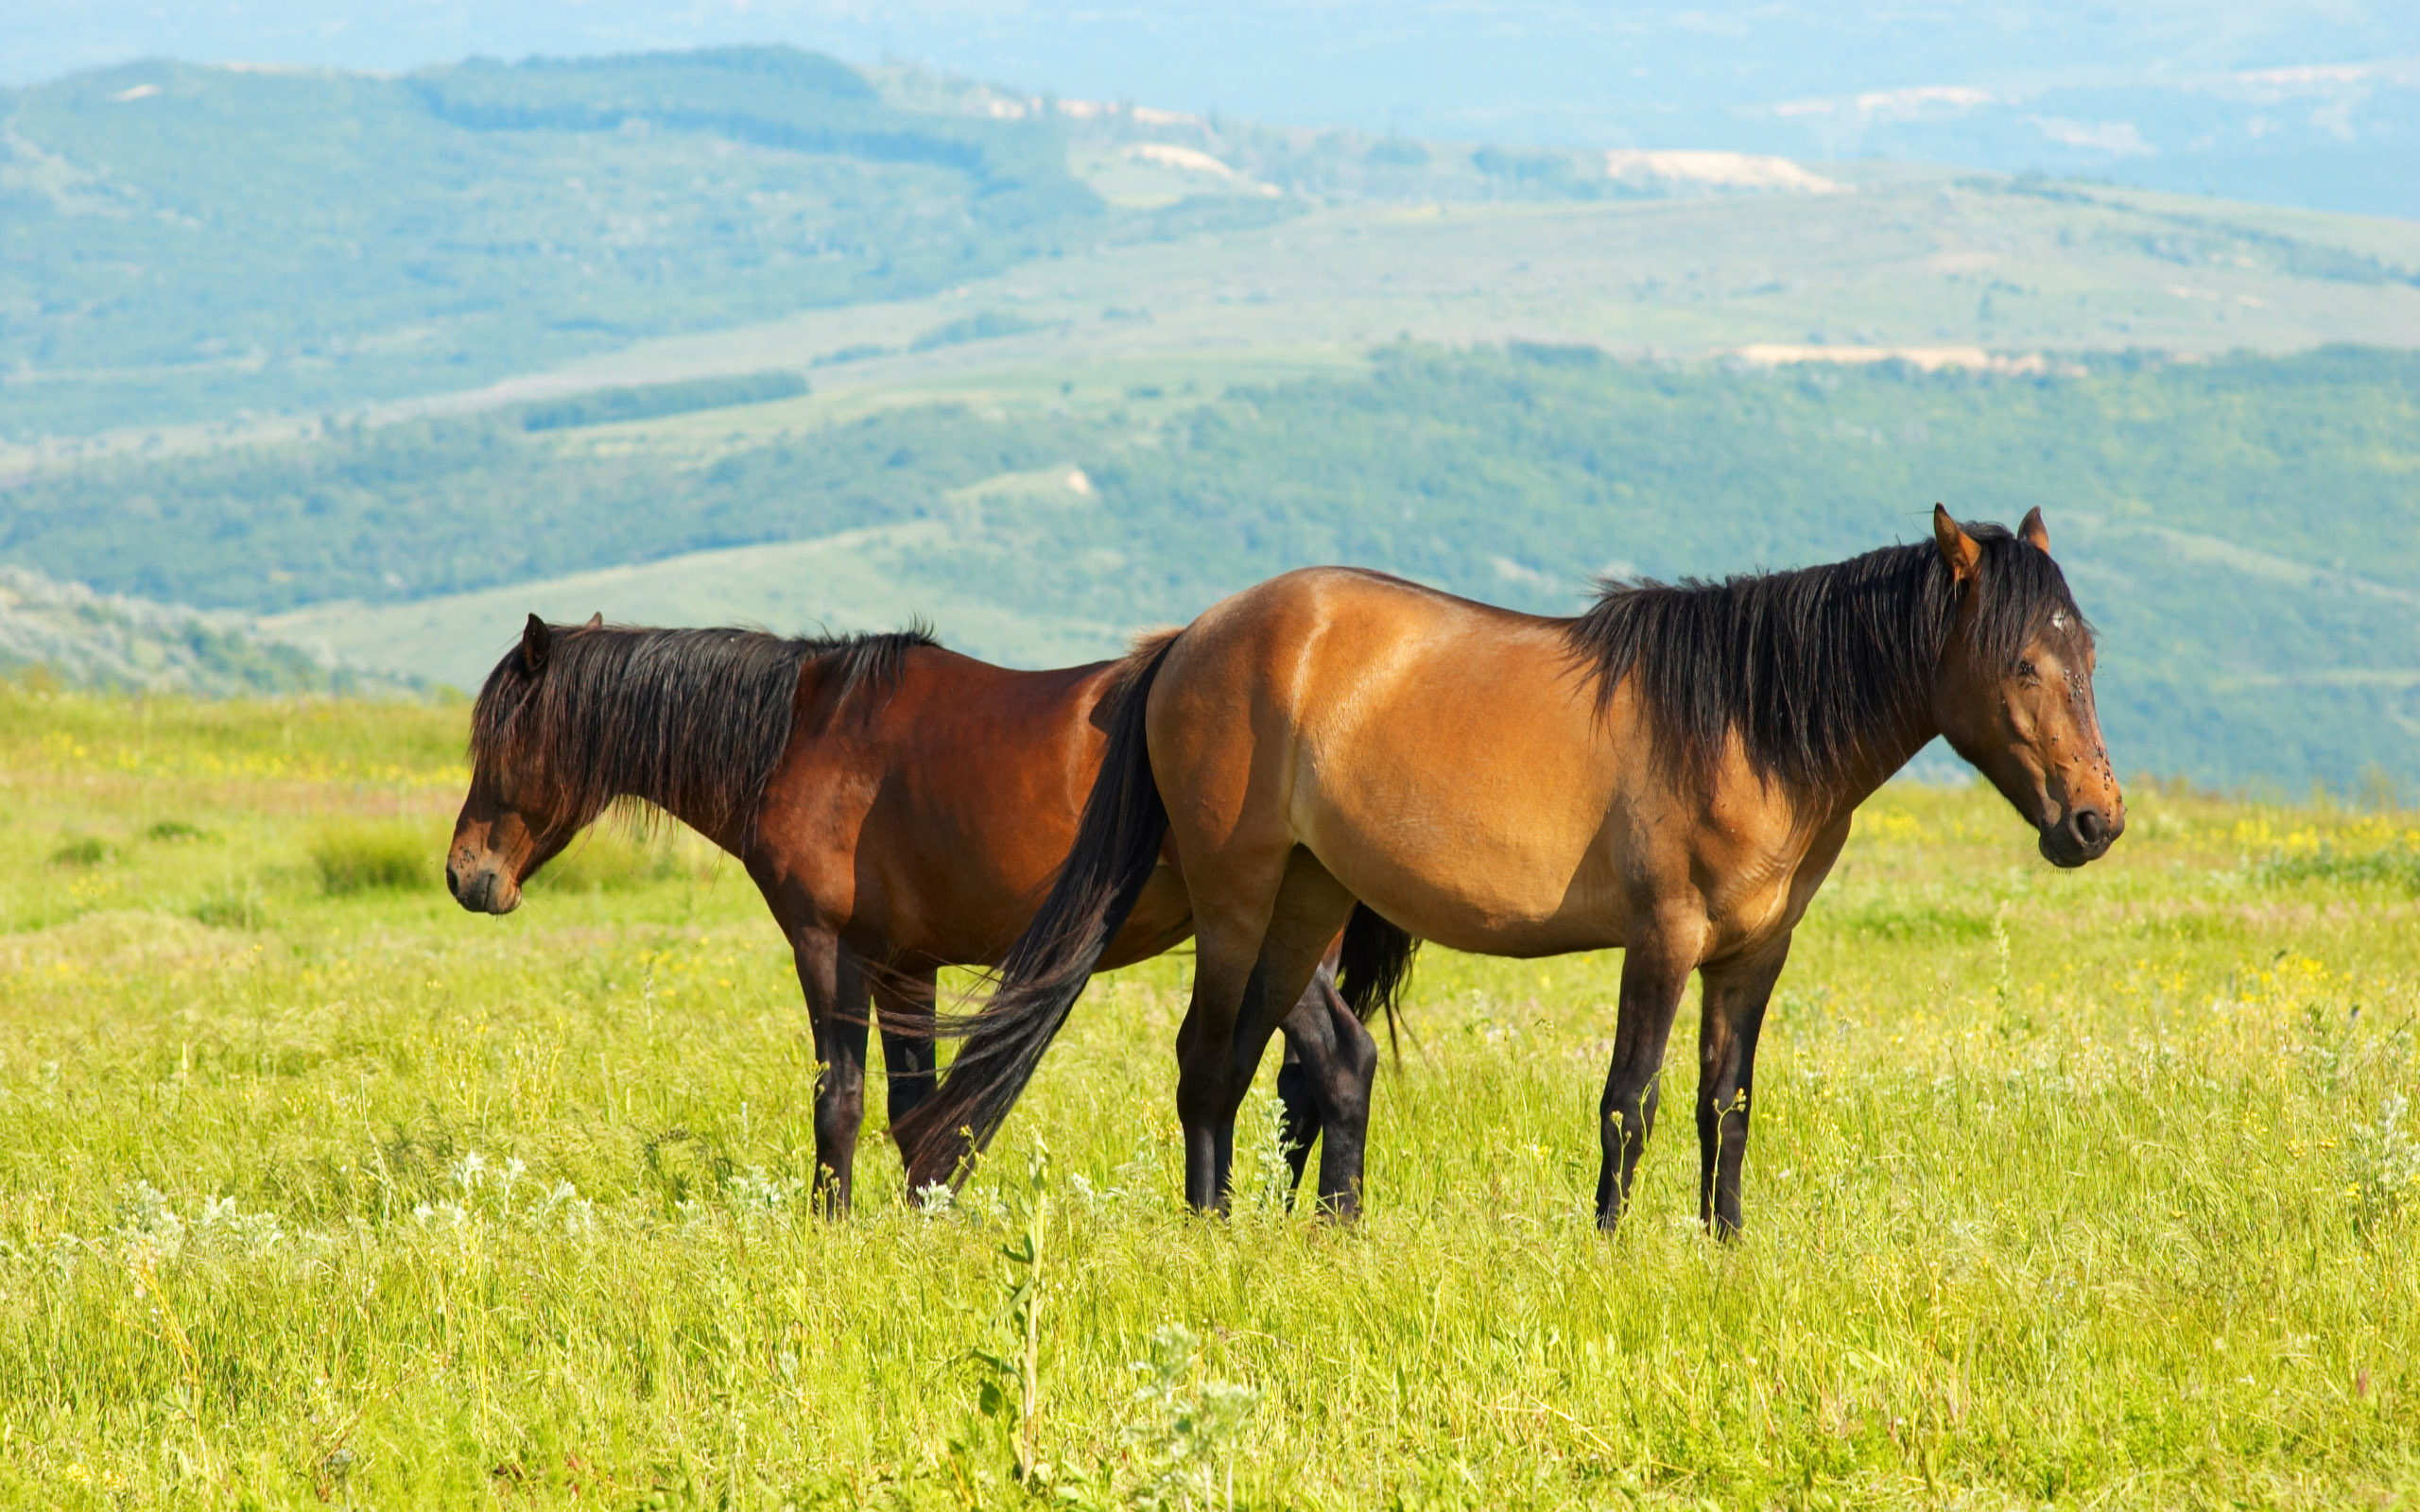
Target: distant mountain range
x,y
2261,99
208,246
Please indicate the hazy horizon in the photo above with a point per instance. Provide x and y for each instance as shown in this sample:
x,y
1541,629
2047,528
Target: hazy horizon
x,y
2248,99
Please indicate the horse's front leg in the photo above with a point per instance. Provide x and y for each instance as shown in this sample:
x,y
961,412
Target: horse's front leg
x,y
835,984
1655,971
1734,1012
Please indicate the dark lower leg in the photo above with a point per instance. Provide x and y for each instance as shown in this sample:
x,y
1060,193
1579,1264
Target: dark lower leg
x,y
1625,1118
906,1007
1300,1111
1244,982
1208,1093
1734,1013
835,1000
1331,1061
1654,978
1343,1080
1200,1095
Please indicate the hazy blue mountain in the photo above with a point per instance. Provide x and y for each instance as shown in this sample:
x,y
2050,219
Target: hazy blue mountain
x,y
177,242
2252,99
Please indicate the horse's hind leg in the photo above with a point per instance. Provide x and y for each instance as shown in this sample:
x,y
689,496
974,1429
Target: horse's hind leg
x,y
1249,973
906,1005
1331,1063
1298,1103
835,984
1736,995
1307,1038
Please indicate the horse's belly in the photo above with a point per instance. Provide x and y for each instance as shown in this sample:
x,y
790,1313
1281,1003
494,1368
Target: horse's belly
x,y
1465,870
1162,917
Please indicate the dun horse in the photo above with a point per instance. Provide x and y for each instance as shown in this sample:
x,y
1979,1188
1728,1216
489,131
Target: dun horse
x,y
1672,772
900,806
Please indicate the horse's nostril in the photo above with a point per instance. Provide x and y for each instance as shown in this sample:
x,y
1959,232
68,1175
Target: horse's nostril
x,y
2091,826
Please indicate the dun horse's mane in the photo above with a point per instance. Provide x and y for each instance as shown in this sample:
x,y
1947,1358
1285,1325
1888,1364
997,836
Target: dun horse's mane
x,y
687,719
1816,668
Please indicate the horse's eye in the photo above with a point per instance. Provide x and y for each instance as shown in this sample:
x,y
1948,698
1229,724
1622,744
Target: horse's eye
x,y
2025,669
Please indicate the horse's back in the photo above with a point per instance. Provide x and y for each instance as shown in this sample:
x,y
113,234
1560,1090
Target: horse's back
x,y
1443,758
924,816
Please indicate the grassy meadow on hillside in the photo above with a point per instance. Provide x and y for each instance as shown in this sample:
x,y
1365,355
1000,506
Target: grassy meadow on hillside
x,y
2279,486
2084,1189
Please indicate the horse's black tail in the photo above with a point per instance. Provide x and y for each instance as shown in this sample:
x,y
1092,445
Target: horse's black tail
x,y
1117,843
1372,967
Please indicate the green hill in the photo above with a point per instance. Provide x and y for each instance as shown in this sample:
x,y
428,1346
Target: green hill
x,y
180,242
2245,530
215,246
67,633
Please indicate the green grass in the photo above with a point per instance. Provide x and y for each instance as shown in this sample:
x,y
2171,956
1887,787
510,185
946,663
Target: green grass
x,y
368,857
2089,1189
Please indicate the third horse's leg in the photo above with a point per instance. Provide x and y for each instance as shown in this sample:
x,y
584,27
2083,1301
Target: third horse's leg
x,y
1309,1045
1342,1074
1734,1012
1298,1104
1655,971
904,1003
1246,979
835,1006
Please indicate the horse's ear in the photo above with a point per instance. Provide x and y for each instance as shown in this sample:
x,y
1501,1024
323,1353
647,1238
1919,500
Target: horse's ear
x,y
536,641
1958,548
596,621
2033,532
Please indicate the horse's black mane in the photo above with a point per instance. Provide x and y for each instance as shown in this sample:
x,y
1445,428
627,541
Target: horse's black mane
x,y
1816,667
690,720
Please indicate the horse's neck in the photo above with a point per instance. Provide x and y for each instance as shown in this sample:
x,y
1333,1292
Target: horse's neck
x,y
1889,755
690,802
728,831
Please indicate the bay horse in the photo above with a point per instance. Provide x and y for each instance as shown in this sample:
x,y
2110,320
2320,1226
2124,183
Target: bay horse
x,y
1672,772
900,806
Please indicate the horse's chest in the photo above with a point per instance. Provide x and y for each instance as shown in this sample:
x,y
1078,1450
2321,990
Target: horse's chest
x,y
1755,893
1750,907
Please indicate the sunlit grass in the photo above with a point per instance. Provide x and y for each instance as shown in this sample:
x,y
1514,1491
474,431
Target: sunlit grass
x,y
2087,1188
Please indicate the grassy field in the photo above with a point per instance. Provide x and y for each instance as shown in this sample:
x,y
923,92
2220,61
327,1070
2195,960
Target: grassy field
x,y
2091,1189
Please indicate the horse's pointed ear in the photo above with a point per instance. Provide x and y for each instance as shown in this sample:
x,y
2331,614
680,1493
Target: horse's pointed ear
x,y
2033,532
1958,548
596,621
536,641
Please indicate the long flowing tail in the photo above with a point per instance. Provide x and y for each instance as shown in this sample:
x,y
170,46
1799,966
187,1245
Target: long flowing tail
x,y
1117,843
1372,967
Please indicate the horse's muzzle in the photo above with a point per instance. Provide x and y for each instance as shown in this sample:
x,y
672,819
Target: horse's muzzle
x,y
2084,834
485,890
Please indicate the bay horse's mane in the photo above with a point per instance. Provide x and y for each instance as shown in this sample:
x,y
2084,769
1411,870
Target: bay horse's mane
x,y
1814,668
692,720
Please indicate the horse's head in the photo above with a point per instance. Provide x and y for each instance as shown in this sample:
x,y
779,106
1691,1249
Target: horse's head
x,y
2014,694
519,813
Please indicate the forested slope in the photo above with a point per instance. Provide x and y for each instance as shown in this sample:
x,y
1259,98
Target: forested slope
x,y
2247,531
